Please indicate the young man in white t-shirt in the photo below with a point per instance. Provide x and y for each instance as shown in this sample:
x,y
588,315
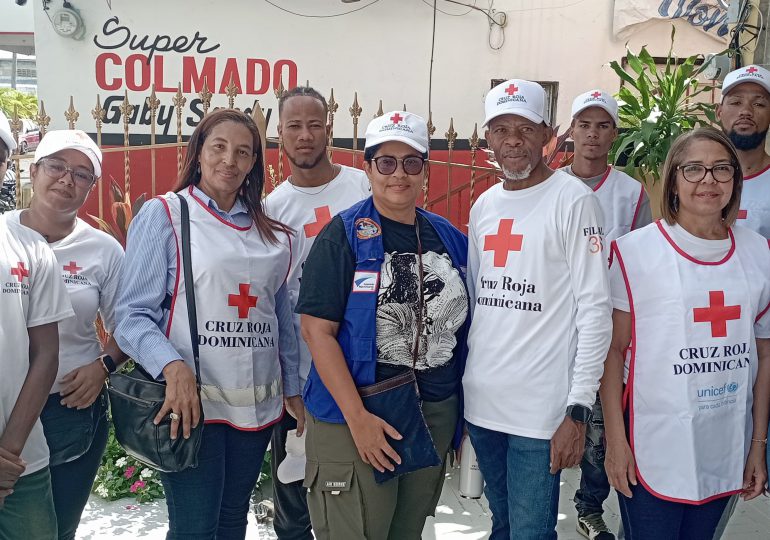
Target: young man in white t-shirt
x,y
306,201
541,318
625,207
32,302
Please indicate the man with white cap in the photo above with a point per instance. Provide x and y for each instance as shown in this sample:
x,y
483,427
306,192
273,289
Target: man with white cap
x,y
306,201
541,318
7,177
744,115
382,292
625,207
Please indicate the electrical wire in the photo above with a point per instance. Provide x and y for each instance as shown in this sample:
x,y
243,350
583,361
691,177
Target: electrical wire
x,y
470,8
432,49
321,16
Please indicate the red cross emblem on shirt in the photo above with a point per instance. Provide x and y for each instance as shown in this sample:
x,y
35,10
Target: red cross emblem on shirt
x,y
503,242
72,268
243,300
743,214
751,70
596,94
717,313
20,271
322,217
396,118
512,89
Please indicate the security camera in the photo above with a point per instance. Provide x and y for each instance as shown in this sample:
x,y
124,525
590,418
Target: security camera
x,y
21,2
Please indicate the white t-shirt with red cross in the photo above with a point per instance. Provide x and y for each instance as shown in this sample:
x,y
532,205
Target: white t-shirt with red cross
x,y
541,306
307,211
90,262
755,203
31,294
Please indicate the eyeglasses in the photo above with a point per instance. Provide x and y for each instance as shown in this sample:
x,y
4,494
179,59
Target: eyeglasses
x,y
388,164
58,169
694,173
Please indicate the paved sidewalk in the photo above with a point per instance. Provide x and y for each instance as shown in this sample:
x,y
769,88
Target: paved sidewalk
x,y
456,518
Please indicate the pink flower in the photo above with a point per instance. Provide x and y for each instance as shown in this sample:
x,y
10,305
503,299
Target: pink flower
x,y
136,486
129,472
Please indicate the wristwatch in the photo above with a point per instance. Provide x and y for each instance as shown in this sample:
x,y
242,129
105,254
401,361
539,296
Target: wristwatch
x,y
109,363
579,413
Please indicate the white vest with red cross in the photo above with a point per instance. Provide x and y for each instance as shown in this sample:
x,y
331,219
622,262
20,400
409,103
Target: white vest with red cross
x,y
619,197
755,203
693,361
237,275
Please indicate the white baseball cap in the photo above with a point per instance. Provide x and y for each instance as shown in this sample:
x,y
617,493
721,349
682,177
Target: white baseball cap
x,y
399,126
754,74
5,133
516,96
292,468
596,98
63,139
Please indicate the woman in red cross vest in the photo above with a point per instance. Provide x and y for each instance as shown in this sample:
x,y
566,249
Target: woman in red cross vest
x,y
690,293
247,344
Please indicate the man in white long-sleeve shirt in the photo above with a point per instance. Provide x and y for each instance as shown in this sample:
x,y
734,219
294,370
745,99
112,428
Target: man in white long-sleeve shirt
x,y
541,318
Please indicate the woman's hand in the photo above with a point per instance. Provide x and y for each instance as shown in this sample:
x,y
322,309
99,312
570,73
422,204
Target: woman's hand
x,y
368,433
181,399
755,473
81,386
296,408
11,468
620,466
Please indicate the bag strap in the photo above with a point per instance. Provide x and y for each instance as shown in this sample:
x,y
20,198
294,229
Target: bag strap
x,y
421,302
192,314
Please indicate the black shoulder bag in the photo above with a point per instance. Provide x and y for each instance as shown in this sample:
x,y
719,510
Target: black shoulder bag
x,y
136,397
397,401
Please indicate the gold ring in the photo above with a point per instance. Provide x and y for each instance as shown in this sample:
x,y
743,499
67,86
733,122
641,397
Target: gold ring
x,y
174,416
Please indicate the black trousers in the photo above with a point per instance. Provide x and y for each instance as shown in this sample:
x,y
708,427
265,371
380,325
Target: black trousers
x,y
292,519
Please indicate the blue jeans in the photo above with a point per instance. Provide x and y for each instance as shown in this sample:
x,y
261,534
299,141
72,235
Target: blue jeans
x,y
212,500
523,495
646,517
594,484
28,513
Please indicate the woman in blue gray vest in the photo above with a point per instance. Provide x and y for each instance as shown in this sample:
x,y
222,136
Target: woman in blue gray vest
x,y
382,290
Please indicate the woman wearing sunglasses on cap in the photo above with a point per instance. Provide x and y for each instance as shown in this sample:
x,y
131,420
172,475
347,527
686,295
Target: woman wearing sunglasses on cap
x,y
67,166
690,428
386,269
247,345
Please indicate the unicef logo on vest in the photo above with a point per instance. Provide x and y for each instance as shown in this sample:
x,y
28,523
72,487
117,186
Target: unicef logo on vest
x,y
716,396
732,387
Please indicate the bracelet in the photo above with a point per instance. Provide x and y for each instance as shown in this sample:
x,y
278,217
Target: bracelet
x,y
762,441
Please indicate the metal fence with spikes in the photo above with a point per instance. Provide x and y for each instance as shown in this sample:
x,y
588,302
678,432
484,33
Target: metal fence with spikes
x,y
454,180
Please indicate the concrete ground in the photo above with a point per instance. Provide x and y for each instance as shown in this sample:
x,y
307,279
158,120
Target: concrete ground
x,y
456,518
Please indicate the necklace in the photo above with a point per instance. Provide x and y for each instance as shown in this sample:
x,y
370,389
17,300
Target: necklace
x,y
309,191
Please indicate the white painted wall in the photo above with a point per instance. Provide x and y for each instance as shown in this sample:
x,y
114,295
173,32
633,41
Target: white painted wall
x,y
382,51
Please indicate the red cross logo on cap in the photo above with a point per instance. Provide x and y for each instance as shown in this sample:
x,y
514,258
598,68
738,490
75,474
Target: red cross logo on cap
x,y
72,268
322,217
596,94
512,89
20,271
743,214
751,70
243,300
396,118
717,313
503,242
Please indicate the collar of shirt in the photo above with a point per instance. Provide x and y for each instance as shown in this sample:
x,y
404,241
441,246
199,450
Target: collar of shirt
x,y
238,214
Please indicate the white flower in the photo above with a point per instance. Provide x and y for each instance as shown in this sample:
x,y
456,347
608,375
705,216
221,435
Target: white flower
x,y
121,462
102,491
146,473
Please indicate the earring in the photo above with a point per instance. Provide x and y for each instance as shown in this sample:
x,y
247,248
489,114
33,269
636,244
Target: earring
x,y
676,202
198,170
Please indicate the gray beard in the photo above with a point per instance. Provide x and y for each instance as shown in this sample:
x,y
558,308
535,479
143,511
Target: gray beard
x,y
517,176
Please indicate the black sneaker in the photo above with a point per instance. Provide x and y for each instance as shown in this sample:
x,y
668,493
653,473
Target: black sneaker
x,y
592,526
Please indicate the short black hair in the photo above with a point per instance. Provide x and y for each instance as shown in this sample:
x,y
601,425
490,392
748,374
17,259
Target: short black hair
x,y
5,153
369,152
300,91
